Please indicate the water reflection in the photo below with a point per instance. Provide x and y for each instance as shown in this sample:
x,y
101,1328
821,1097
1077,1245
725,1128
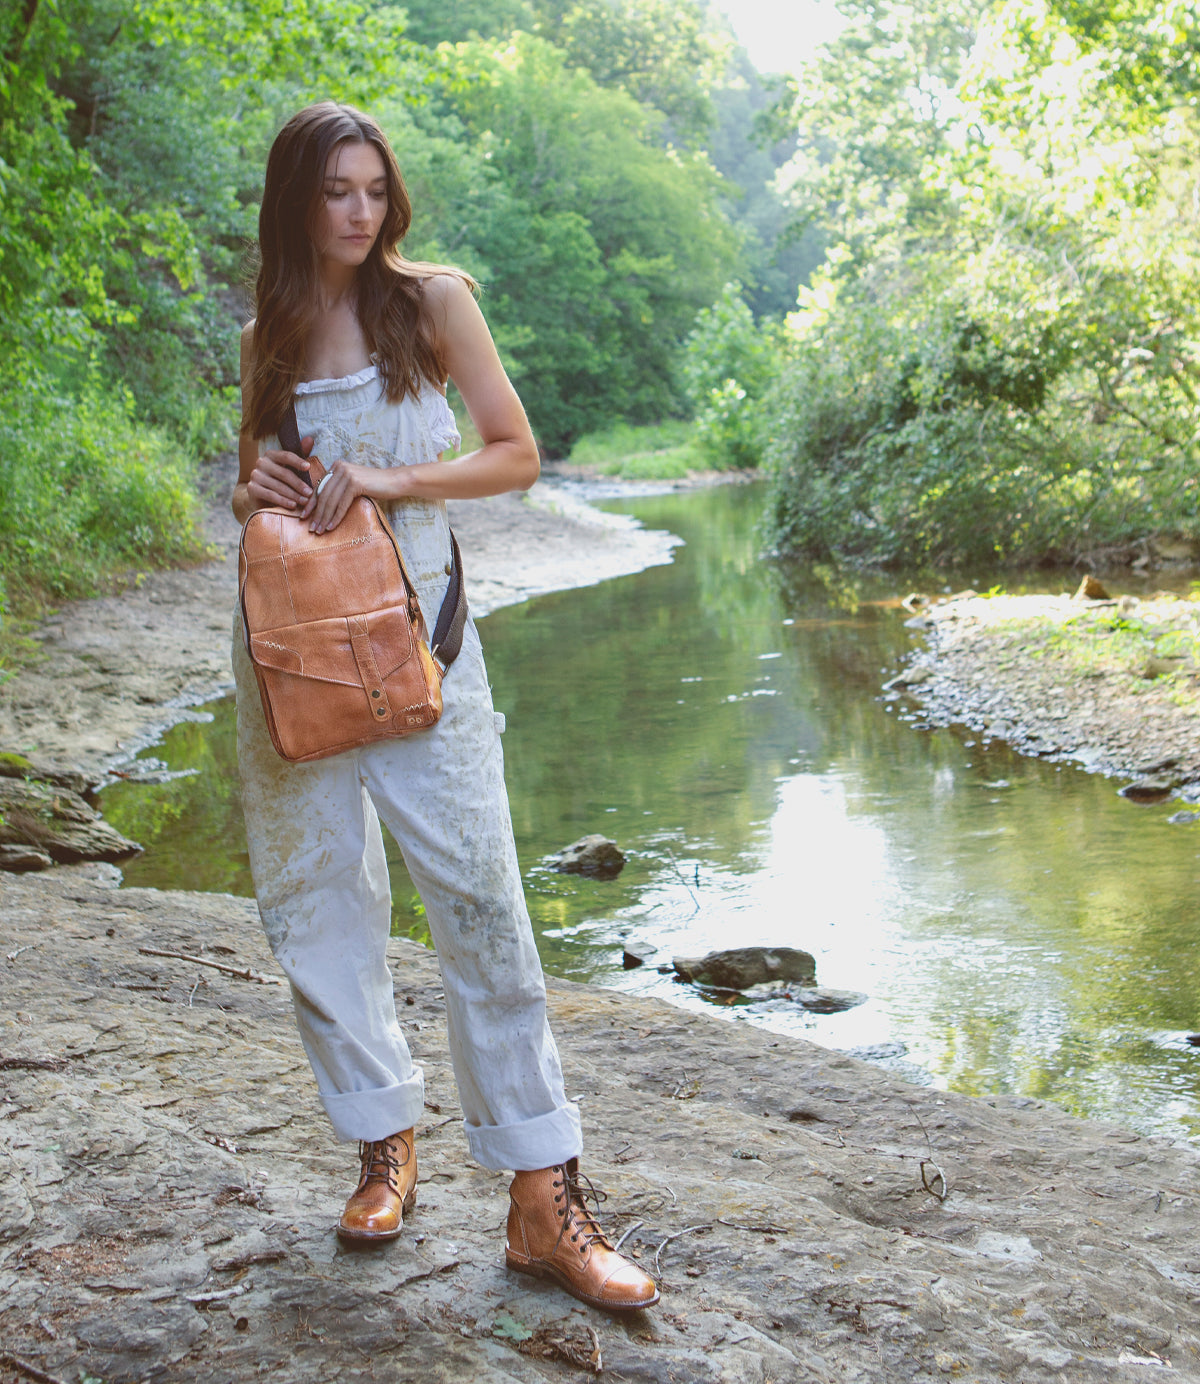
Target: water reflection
x,y
1014,923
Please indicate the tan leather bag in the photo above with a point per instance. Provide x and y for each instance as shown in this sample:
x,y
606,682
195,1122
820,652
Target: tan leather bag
x,y
335,631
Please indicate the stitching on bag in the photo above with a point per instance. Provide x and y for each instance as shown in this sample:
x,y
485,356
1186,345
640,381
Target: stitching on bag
x,y
319,549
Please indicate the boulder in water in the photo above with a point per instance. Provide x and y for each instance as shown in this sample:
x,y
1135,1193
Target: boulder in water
x,y
593,855
741,967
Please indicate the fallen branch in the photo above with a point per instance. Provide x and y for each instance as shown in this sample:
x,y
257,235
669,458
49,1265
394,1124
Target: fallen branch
x,y
15,1362
761,1229
246,974
679,1234
637,1225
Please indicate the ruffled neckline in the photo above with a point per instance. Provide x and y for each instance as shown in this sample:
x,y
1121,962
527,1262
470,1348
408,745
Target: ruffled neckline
x,y
363,376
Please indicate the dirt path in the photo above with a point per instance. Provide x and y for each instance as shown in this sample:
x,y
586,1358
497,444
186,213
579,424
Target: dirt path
x,y
170,1183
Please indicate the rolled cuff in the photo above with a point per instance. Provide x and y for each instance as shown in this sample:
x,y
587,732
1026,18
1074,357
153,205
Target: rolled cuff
x,y
543,1142
372,1115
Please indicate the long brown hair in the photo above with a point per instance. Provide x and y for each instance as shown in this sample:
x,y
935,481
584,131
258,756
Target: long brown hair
x,y
390,289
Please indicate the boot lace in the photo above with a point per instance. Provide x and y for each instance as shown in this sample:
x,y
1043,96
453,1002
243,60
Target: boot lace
x,y
381,1161
586,1230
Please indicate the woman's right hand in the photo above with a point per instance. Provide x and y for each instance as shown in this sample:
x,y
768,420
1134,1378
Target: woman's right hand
x,y
279,479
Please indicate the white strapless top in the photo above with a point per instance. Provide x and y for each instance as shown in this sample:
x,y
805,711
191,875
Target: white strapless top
x,y
352,418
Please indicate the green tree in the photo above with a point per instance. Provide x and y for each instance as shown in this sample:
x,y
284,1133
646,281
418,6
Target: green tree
x,y
1000,362
601,245
729,364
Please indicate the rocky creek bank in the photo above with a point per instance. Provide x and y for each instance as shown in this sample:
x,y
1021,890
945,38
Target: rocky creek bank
x,y
171,1184
1111,684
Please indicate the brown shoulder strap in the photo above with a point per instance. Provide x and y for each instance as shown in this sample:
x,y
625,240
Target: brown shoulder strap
x,y
289,431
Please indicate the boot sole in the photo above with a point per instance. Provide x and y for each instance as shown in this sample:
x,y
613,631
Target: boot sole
x,y
364,1239
537,1269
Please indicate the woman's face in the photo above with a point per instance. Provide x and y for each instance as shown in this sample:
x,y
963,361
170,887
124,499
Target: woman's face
x,y
353,204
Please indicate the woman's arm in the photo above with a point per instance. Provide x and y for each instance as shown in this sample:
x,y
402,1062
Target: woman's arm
x,y
508,459
268,478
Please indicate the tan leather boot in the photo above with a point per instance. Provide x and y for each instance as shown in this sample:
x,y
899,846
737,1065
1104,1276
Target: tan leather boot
x,y
551,1234
386,1190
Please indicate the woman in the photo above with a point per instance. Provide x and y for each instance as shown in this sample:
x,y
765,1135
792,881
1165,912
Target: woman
x,y
362,341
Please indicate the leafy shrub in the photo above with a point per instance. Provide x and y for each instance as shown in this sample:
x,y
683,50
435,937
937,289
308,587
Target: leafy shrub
x,y
909,431
973,410
88,492
729,362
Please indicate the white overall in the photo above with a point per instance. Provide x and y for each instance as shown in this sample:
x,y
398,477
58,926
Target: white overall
x,y
321,879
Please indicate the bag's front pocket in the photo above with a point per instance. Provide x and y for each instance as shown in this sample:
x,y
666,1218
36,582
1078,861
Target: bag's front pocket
x,y
330,685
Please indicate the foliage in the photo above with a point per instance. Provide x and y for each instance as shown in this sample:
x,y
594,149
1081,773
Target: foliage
x,y
666,54
729,362
629,244
776,257
87,489
999,360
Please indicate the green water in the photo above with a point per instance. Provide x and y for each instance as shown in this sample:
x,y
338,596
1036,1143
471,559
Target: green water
x,y
1015,924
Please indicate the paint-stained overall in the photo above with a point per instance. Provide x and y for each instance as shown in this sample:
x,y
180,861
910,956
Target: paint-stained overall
x,y
321,878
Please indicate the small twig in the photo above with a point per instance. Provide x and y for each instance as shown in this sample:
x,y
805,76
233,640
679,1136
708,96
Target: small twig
x,y
26,1368
202,1299
195,987
682,880
931,1183
246,974
761,1229
32,1064
690,1086
637,1225
12,955
625,1147
916,1114
598,1359
678,1235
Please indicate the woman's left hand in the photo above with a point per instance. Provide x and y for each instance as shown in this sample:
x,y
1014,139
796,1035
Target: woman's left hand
x,y
346,481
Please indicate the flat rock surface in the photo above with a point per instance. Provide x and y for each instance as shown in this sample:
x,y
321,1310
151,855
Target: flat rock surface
x,y
171,1189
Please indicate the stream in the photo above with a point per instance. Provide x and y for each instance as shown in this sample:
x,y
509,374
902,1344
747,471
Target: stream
x,y
1015,925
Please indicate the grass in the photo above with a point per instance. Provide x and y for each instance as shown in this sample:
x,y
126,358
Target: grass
x,y
637,452
90,492
652,451
1097,642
